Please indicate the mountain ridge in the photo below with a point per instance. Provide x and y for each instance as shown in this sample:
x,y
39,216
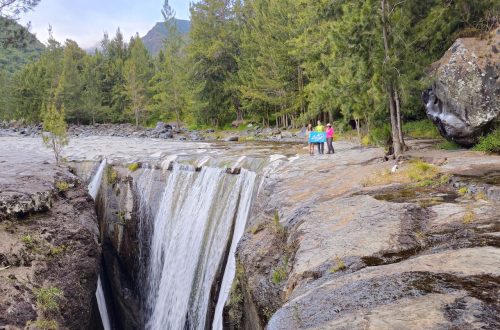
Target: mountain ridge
x,y
153,40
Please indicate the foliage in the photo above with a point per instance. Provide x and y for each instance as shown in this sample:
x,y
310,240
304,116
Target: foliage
x,y
463,191
133,167
111,175
278,227
45,324
340,265
469,216
416,172
47,298
55,130
62,186
56,250
379,136
279,275
448,145
29,241
489,143
276,62
421,129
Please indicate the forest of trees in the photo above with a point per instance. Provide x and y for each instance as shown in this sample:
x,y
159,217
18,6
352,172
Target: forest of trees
x,y
275,62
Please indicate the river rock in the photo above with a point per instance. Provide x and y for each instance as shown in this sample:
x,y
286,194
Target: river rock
x,y
464,100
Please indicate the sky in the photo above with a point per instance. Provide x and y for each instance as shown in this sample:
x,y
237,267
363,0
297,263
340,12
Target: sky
x,y
85,21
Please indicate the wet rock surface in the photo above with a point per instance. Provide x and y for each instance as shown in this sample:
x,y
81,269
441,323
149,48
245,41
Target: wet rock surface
x,y
464,101
49,242
349,256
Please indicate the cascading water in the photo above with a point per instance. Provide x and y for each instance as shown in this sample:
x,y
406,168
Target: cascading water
x,y
191,230
239,229
93,189
101,304
95,183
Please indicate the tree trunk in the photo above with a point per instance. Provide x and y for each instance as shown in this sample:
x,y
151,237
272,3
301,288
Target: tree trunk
x,y
398,115
358,130
396,141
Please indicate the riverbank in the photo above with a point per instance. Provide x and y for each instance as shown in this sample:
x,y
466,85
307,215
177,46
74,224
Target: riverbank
x,y
49,250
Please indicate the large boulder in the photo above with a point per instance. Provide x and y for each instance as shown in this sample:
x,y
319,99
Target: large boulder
x,y
464,100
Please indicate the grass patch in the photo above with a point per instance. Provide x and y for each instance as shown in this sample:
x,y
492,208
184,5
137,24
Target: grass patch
x,y
56,250
469,216
255,229
62,186
340,265
29,241
111,175
133,167
47,298
448,145
481,196
279,275
278,227
463,191
422,129
489,143
44,324
417,172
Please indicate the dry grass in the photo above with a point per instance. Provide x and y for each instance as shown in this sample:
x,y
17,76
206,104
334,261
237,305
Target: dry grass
x,y
417,172
469,216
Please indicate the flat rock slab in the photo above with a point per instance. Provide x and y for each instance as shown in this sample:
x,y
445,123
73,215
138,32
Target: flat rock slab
x,y
372,296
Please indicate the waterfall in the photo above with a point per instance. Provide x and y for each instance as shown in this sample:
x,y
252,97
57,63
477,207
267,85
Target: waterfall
x,y
190,235
101,304
93,189
95,183
239,229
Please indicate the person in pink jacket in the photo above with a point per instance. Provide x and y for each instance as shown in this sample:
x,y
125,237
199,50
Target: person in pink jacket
x,y
329,138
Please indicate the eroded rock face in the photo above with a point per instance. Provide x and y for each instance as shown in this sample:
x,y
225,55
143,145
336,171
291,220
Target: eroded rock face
x,y
48,239
464,100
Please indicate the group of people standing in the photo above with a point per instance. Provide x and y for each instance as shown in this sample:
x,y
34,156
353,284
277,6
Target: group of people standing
x,y
321,145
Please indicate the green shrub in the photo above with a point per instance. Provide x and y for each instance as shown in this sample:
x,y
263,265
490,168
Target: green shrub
x,y
111,175
340,265
489,143
29,241
379,136
46,298
55,250
278,227
133,167
62,186
422,129
279,275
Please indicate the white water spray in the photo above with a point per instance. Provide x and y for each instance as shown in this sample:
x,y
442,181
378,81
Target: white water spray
x,y
95,183
248,184
190,235
101,304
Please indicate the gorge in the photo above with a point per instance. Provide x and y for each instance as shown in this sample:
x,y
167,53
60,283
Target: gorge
x,y
258,234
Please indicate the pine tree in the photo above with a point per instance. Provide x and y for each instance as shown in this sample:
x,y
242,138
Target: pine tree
x,y
212,53
137,72
169,86
71,87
